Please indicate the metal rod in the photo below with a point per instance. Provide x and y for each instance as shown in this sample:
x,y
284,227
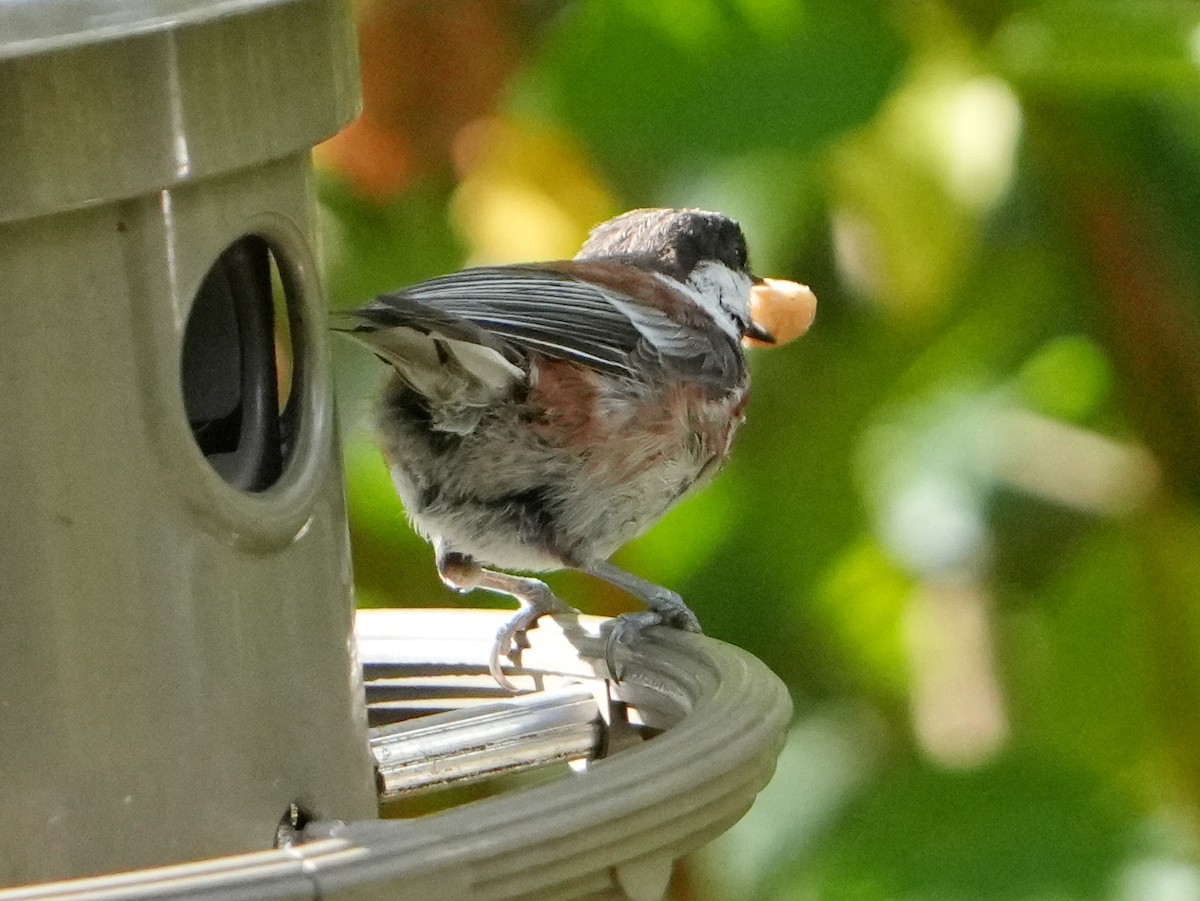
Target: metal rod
x,y
468,745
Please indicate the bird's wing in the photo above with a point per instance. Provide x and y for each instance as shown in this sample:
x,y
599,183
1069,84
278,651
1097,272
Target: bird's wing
x,y
555,313
406,332
452,362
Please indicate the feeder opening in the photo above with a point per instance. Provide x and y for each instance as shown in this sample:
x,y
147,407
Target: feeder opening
x,y
237,367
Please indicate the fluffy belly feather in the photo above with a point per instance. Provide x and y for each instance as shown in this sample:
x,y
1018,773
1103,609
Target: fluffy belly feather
x,y
531,492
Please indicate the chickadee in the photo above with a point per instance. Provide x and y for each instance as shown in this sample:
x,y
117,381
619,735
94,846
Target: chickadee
x,y
539,416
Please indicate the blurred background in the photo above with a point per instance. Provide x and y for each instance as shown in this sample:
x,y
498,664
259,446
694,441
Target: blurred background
x,y
962,519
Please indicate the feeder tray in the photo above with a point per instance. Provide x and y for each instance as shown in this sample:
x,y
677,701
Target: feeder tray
x,y
667,759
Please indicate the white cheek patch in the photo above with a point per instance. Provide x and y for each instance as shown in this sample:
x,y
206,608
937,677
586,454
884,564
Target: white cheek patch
x,y
723,293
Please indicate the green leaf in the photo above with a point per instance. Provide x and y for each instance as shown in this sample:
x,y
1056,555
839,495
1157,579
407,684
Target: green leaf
x,y
649,86
1103,47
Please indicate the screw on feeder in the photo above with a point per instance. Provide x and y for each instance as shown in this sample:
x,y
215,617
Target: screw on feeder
x,y
290,831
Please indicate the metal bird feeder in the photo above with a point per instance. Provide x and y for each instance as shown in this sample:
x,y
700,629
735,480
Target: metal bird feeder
x,y
187,708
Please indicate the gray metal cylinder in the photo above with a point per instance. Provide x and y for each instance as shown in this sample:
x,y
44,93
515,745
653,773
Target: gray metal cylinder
x,y
176,655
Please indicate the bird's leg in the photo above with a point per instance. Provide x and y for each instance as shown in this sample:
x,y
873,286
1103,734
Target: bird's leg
x,y
666,608
462,573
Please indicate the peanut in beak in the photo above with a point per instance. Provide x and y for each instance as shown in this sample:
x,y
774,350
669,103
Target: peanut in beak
x,y
782,308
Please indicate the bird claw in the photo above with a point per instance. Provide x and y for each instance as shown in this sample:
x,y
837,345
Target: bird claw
x,y
671,611
511,638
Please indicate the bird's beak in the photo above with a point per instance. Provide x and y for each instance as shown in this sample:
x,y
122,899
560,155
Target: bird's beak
x,y
780,311
756,332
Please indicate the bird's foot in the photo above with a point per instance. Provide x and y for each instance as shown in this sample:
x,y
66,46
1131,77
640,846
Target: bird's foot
x,y
461,572
536,600
666,609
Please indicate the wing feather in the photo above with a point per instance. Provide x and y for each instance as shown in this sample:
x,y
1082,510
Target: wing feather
x,y
556,314
514,310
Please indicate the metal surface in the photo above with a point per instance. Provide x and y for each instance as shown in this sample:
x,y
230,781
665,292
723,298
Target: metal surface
x,y
468,745
611,831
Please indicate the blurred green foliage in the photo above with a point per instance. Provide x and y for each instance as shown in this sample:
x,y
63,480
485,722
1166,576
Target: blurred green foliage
x,y
962,519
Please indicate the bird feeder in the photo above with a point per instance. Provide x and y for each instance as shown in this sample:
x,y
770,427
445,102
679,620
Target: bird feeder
x,y
187,707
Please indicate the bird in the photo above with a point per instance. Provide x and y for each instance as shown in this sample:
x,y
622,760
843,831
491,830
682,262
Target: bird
x,y
539,416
